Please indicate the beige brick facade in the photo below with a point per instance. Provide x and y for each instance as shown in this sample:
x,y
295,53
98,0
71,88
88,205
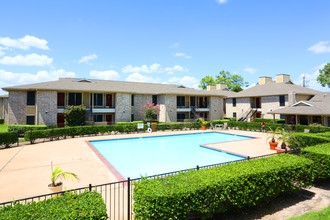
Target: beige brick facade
x,y
139,102
242,105
271,103
4,109
216,108
46,107
123,107
17,107
167,104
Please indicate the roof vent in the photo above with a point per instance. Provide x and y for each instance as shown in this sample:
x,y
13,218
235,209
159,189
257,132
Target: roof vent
x,y
181,87
84,80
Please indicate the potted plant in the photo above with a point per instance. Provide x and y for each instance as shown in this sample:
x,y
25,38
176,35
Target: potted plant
x,y
285,141
58,173
204,123
272,137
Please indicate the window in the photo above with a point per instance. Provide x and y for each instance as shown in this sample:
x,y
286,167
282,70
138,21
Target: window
x,y
98,118
154,99
282,100
282,116
98,99
181,116
30,120
234,102
132,117
234,114
192,101
180,101
74,98
31,98
60,99
132,100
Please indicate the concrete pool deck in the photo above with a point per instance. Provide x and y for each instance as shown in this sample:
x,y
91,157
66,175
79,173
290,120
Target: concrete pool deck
x,y
25,170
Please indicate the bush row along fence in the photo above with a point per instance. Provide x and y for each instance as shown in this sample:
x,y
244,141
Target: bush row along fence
x,y
118,196
34,132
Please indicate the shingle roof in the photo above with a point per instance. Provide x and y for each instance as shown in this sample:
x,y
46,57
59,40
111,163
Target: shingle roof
x,y
74,84
305,108
4,96
272,89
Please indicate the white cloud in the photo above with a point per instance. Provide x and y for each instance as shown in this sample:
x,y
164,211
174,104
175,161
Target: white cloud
x,y
105,75
85,59
250,70
320,47
182,55
137,77
10,78
24,43
27,60
1,50
153,68
187,81
174,45
221,1
311,79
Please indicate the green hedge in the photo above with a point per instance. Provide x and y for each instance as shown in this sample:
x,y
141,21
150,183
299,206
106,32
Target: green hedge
x,y
320,154
88,205
230,118
207,191
267,120
178,125
8,138
302,140
21,129
312,128
2,121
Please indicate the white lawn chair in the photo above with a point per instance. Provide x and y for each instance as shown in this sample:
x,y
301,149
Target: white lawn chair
x,y
216,126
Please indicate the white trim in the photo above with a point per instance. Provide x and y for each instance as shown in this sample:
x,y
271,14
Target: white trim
x,y
104,110
303,102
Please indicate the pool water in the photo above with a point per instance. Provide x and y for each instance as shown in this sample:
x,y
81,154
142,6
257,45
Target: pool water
x,y
146,156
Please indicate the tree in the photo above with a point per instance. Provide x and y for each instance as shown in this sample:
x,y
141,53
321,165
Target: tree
x,y
324,77
207,80
234,82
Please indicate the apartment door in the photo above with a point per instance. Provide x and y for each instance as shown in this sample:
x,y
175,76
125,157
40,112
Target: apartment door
x,y
108,119
201,102
60,120
109,100
258,104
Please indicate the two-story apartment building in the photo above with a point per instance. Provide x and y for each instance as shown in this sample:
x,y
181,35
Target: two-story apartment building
x,y
260,100
108,102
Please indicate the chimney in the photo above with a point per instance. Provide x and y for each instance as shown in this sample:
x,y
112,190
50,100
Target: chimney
x,y
221,86
209,88
264,79
282,78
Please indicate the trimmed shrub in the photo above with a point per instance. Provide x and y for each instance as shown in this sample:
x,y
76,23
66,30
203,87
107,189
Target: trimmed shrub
x,y
302,140
205,192
74,115
21,129
230,118
36,134
312,128
8,138
267,120
88,205
2,121
320,154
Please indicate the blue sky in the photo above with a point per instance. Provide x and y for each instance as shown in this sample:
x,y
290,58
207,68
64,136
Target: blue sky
x,y
171,41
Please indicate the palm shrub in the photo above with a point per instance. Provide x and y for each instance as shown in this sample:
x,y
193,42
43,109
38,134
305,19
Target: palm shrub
x,y
58,173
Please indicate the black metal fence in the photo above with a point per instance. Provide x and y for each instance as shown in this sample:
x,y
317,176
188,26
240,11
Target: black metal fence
x,y
118,196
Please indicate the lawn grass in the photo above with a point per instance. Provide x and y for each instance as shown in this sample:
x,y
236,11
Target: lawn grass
x,y
320,215
4,128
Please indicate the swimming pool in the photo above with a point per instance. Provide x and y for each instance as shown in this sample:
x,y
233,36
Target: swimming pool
x,y
146,156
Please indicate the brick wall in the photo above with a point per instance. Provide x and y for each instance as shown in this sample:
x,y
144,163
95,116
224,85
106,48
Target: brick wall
x,y
216,108
270,103
167,104
123,107
46,107
139,102
17,107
